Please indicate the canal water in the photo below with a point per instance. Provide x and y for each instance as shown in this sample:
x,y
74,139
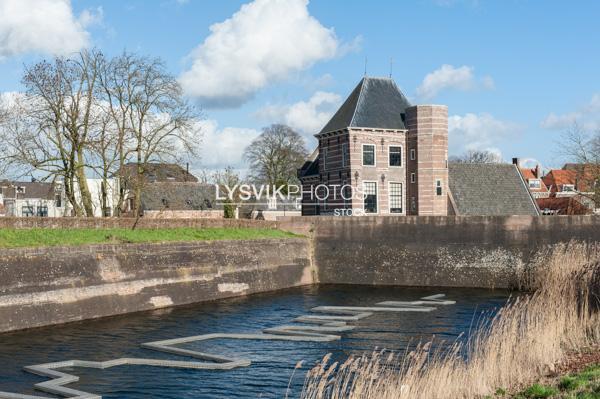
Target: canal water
x,y
272,361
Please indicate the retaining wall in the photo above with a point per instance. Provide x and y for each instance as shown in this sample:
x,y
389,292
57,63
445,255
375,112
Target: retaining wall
x,y
56,285
455,251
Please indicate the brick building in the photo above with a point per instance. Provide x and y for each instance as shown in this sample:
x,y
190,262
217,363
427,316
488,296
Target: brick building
x,y
379,155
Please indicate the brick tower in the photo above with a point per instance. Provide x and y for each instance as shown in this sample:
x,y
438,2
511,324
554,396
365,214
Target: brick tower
x,y
427,166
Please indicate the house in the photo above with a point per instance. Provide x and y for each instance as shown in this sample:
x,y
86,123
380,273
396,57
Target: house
x,y
489,190
574,180
270,209
533,178
562,206
157,172
180,200
154,173
379,155
28,199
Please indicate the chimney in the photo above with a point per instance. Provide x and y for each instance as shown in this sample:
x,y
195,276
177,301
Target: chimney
x,y
536,171
516,161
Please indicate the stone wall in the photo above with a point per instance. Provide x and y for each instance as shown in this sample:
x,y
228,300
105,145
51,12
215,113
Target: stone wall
x,y
46,286
434,251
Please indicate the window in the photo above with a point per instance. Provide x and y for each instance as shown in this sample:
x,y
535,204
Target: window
x,y
344,154
368,154
20,190
395,197
325,158
395,156
413,177
370,196
42,211
568,187
438,187
535,183
27,211
413,204
413,154
58,200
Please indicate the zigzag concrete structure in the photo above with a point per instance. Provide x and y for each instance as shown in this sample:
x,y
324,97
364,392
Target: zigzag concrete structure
x,y
323,326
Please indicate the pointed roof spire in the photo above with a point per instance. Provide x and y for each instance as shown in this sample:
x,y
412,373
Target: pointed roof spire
x,y
374,103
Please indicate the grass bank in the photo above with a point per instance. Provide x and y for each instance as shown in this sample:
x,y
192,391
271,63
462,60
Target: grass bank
x,y
582,385
13,238
523,342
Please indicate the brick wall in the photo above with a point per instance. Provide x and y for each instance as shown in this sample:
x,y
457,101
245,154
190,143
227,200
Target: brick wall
x,y
127,223
428,131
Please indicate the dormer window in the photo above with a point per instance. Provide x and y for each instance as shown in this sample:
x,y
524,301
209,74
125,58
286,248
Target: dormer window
x,y
535,183
568,187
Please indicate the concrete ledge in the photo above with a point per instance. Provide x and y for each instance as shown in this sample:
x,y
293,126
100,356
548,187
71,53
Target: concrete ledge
x,y
44,286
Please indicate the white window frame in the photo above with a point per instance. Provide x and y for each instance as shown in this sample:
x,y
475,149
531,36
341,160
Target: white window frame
x,y
539,183
344,155
401,155
362,155
571,186
413,154
376,194
441,185
402,194
413,178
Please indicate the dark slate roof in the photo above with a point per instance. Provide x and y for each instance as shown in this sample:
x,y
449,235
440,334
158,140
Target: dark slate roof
x,y
29,190
374,103
179,196
489,189
160,172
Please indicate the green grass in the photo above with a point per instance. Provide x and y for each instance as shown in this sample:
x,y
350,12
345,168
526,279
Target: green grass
x,y
584,385
11,238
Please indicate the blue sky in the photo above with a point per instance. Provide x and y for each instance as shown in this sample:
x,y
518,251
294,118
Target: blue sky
x,y
514,74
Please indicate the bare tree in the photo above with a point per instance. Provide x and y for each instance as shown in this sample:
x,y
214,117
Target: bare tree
x,y
49,126
583,148
228,180
88,113
477,156
160,119
276,155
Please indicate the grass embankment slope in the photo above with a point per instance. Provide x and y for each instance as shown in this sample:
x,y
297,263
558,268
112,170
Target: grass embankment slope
x,y
13,238
523,344
582,385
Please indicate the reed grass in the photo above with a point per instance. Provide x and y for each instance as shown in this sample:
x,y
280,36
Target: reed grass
x,y
522,342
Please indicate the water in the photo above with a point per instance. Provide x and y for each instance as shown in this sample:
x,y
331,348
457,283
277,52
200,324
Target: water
x,y
272,361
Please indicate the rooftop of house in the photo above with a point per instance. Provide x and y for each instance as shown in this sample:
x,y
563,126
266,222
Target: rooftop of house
x,y
178,196
310,166
374,103
156,172
27,190
489,190
560,176
533,174
563,206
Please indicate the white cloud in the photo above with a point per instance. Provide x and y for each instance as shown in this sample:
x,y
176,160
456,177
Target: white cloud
x,y
587,116
450,77
479,132
307,117
265,41
45,26
222,147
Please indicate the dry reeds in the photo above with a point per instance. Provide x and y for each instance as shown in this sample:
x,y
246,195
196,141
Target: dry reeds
x,y
521,343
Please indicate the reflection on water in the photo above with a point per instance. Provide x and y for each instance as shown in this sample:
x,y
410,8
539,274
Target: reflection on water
x,y
273,361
